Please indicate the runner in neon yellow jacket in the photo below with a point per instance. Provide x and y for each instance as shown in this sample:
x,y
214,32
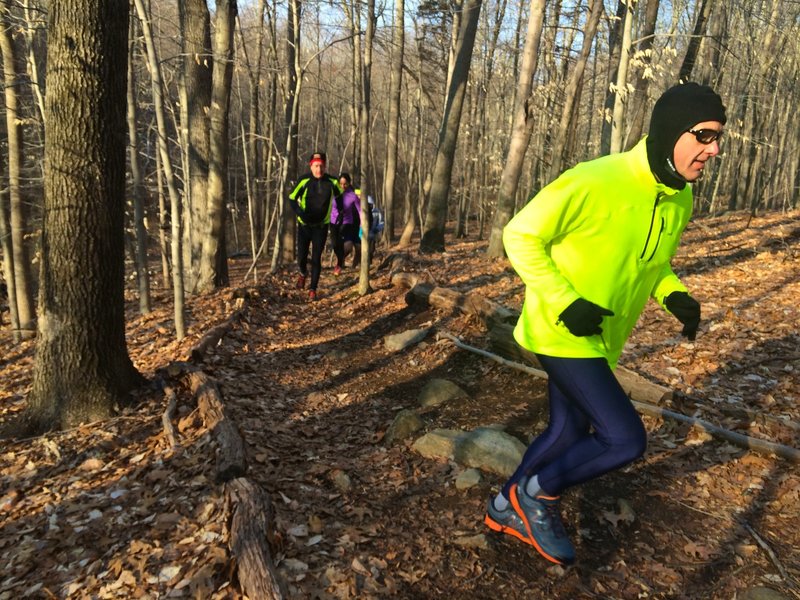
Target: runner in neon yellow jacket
x,y
592,247
604,231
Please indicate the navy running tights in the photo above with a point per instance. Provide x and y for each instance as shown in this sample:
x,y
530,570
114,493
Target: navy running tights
x,y
593,427
313,236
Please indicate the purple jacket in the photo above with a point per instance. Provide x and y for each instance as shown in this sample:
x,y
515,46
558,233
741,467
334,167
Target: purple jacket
x,y
351,207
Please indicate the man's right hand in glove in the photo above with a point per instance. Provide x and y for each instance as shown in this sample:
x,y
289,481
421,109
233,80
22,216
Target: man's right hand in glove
x,y
583,318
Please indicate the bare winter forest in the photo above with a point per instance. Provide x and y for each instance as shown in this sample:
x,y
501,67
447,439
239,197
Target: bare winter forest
x,y
146,152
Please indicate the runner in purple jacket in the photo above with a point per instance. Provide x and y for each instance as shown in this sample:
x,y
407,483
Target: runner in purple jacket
x,y
345,224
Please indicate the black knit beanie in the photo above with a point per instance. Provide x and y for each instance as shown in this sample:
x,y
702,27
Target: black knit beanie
x,y
676,111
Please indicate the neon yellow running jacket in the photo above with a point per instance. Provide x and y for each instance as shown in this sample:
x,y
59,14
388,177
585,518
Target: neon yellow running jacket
x,y
605,231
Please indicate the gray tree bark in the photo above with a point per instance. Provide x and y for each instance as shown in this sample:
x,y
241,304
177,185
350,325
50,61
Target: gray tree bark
x,y
393,126
436,217
572,91
700,25
520,131
214,261
154,66
82,364
198,65
138,189
23,280
366,184
621,85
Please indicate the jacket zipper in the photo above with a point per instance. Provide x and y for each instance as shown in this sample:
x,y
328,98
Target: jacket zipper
x,y
650,231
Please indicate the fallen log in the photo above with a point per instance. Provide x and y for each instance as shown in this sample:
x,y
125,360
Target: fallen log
x,y
231,458
472,303
251,528
212,337
757,445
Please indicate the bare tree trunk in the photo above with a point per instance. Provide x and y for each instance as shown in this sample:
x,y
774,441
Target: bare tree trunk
x,y
521,130
32,32
572,90
198,66
8,262
436,217
621,87
640,102
692,51
82,364
163,225
284,244
154,67
614,51
366,184
395,89
709,70
23,280
142,275
214,261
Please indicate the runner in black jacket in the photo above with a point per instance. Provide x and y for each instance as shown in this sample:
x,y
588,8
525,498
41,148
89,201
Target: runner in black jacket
x,y
312,199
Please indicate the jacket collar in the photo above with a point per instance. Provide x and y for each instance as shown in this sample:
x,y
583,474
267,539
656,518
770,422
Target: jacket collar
x,y
641,166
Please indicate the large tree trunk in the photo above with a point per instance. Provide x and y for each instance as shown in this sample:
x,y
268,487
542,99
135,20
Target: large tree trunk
x,y
436,217
214,262
520,131
393,126
197,72
82,363
19,215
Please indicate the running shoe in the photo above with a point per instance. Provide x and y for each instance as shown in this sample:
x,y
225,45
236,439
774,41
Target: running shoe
x,y
312,295
301,282
337,270
506,521
543,525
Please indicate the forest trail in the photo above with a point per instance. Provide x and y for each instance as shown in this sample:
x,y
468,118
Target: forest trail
x,y
108,511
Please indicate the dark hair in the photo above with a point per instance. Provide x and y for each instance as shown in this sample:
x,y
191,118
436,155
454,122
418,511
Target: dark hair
x,y
318,156
346,177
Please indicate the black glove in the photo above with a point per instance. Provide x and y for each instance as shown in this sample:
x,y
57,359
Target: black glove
x,y
583,318
297,210
687,311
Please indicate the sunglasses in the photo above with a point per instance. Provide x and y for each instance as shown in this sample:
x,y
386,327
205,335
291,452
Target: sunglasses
x,y
705,136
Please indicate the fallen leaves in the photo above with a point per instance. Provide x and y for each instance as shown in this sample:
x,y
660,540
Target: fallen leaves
x,y
106,511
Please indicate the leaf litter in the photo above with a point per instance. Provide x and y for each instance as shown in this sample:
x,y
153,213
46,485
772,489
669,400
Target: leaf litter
x,y
108,510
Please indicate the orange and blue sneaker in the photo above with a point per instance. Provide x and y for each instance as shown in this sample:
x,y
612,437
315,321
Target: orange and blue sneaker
x,y
506,521
542,521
